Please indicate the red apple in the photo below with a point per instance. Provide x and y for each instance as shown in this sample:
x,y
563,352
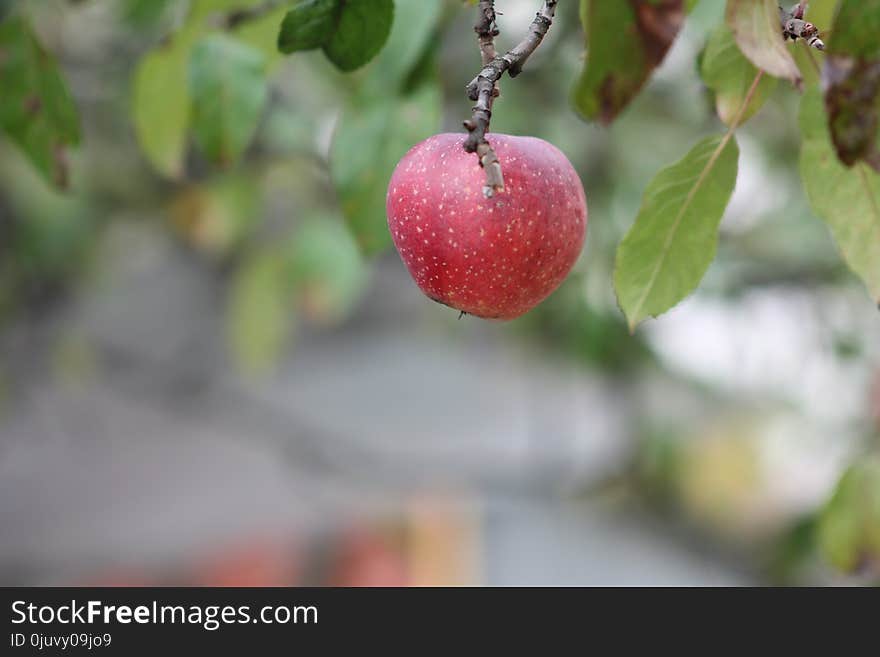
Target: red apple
x,y
494,257
368,559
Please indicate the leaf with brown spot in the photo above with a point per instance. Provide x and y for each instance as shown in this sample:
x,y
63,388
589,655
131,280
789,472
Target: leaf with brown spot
x,y
626,41
758,33
847,199
852,76
36,110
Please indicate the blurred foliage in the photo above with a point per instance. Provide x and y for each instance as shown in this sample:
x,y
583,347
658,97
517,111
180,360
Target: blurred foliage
x,y
37,111
849,526
792,558
717,479
229,90
383,119
216,216
370,140
592,336
714,475
855,28
46,237
318,272
5,8
260,311
144,12
160,106
326,269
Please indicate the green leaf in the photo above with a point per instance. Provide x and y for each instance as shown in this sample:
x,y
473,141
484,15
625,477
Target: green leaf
x,y
758,32
327,269
227,81
819,12
203,14
626,42
161,106
6,8
856,29
729,75
370,139
161,103
382,122
849,526
362,28
141,13
673,241
36,109
848,199
260,314
308,25
261,33
414,24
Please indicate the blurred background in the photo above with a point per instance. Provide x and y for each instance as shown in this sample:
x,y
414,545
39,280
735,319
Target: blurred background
x,y
222,375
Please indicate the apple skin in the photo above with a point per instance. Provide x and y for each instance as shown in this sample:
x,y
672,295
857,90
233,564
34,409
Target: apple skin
x,y
497,257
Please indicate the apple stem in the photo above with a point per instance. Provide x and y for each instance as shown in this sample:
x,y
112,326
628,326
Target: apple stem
x,y
483,89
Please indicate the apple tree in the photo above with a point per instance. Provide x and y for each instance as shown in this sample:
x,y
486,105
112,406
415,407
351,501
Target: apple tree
x,y
215,84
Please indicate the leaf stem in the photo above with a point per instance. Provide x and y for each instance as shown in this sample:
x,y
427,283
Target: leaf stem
x,y
487,29
812,59
737,120
741,112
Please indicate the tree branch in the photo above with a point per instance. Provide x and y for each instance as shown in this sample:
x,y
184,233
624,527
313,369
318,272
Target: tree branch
x,y
486,29
483,88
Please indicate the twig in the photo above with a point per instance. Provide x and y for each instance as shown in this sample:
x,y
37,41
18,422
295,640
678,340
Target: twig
x,y
483,88
487,29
